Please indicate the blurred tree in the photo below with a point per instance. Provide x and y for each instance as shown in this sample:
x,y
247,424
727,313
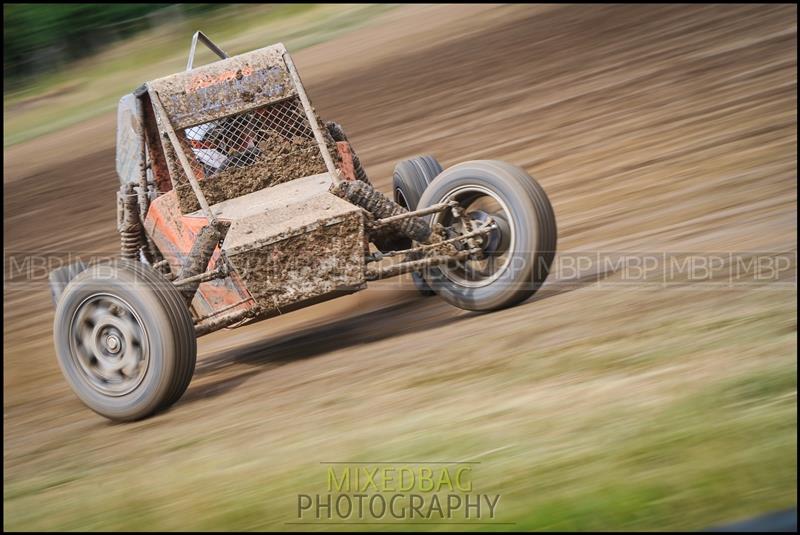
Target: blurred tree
x,y
42,37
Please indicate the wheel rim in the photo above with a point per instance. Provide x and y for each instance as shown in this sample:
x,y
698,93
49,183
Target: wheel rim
x,y
480,204
109,344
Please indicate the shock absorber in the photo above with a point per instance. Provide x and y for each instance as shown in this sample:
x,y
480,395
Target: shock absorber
x,y
129,223
364,195
198,259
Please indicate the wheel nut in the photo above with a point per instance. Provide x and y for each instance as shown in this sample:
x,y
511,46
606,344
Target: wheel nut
x,y
112,342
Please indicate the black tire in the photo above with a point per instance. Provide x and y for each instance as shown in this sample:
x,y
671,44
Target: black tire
x,y
409,181
147,316
529,234
59,278
411,177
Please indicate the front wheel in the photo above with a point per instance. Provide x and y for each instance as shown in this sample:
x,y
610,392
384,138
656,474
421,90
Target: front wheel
x,y
515,256
125,340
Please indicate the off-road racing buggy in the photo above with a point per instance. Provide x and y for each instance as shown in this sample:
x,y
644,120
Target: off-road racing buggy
x,y
237,204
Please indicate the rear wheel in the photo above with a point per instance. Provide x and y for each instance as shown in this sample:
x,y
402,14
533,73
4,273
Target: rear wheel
x,y
516,255
411,177
60,277
409,181
125,340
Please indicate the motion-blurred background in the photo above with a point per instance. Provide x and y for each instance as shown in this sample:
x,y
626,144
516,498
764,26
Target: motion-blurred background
x,y
597,404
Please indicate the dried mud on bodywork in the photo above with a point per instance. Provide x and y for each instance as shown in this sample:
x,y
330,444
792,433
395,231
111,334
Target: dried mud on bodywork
x,y
305,264
227,87
276,160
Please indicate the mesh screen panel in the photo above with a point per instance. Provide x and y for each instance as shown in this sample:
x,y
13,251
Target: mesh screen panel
x,y
250,151
240,140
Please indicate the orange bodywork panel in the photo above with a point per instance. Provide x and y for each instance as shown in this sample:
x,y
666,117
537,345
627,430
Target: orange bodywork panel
x,y
174,234
346,166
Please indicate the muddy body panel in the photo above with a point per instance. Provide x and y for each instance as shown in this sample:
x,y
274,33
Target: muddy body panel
x,y
295,242
175,234
226,87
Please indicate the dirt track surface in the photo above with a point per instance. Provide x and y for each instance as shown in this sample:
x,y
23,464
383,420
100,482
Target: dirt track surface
x,y
652,128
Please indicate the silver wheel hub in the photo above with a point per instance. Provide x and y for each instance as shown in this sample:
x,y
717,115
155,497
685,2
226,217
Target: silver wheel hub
x,y
481,205
109,344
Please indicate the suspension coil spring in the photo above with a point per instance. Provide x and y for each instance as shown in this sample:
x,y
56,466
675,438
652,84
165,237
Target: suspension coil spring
x,y
129,223
130,244
373,201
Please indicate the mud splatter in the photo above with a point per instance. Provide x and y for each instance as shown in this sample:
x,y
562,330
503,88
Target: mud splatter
x,y
274,160
305,265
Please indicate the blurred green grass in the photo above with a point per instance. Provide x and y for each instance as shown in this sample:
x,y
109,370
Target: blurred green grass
x,y
702,433
93,86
